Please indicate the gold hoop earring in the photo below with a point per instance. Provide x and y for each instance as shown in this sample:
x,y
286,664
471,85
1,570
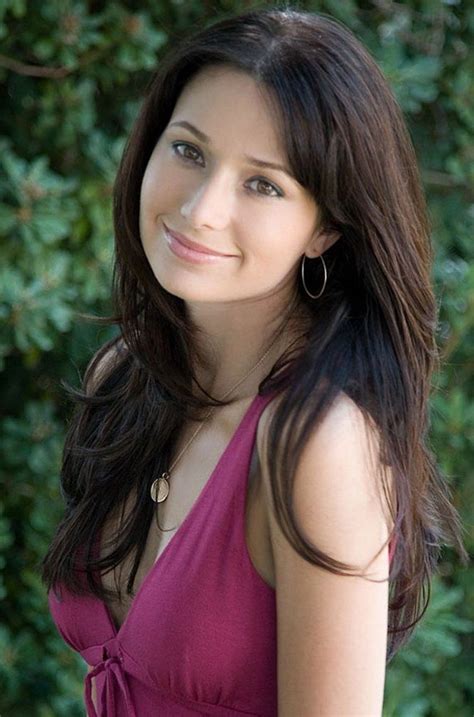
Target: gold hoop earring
x,y
304,283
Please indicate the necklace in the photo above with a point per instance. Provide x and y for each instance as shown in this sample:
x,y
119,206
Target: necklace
x,y
160,487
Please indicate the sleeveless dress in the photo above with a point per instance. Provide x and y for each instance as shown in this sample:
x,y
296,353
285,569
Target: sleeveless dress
x,y
200,635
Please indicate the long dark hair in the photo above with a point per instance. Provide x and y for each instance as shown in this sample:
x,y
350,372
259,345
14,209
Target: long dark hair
x,y
373,330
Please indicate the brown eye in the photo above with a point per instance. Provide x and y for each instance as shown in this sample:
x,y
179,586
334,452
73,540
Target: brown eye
x,y
186,147
269,186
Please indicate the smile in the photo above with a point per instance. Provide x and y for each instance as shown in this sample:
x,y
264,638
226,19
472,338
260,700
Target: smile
x,y
191,255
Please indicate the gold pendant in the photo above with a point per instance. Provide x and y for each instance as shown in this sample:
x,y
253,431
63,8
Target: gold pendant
x,y
160,488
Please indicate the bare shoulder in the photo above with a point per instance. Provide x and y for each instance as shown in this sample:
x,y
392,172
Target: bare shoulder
x,y
101,363
332,626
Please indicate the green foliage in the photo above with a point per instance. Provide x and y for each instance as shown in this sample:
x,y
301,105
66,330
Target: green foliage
x,y
434,676
72,76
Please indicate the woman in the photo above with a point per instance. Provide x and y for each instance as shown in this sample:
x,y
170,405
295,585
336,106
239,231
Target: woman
x,y
248,463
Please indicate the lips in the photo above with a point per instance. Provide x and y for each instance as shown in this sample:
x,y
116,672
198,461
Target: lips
x,y
192,244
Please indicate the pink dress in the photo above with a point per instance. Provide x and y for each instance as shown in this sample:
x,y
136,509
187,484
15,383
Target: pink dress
x,y
200,635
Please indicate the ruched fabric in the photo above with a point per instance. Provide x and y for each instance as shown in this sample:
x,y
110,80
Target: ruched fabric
x,y
115,689
200,635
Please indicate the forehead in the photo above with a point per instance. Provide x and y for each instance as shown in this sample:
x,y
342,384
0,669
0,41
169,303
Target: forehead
x,y
227,103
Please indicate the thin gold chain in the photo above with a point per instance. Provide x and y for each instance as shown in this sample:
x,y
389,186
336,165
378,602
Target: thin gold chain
x,y
160,487
224,396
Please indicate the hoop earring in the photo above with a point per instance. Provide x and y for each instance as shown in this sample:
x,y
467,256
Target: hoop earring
x,y
325,277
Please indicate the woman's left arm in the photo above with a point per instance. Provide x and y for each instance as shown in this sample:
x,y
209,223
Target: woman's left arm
x,y
332,629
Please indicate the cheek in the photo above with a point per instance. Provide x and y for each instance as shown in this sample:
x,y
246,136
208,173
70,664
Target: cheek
x,y
156,180
276,241
151,186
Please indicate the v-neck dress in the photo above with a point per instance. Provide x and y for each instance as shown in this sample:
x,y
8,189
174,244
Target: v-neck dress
x,y
200,635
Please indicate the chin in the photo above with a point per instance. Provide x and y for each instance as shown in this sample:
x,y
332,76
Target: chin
x,y
180,287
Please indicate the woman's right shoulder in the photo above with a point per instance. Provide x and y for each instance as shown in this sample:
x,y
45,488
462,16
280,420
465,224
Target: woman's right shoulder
x,y
102,362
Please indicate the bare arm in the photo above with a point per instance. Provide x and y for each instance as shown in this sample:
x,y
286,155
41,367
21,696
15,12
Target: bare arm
x,y
332,629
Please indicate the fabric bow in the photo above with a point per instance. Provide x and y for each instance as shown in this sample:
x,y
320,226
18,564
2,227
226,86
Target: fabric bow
x,y
114,680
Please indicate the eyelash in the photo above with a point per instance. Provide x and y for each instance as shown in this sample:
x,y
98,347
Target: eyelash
x,y
259,179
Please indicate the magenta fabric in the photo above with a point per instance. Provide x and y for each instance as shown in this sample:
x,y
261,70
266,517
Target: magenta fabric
x,y
200,636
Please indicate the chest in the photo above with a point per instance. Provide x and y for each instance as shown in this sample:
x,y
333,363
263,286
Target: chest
x,y
188,479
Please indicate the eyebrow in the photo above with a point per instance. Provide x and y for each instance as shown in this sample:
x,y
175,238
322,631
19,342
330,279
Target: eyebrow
x,y
252,160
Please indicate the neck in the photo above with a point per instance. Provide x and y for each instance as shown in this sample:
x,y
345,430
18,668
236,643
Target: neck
x,y
247,350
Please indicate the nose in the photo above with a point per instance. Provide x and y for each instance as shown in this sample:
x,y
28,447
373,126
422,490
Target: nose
x,y
209,203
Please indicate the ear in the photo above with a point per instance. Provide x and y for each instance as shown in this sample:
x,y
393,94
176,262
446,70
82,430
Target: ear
x,y
320,242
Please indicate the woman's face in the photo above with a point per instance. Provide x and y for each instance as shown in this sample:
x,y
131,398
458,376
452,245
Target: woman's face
x,y
210,191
